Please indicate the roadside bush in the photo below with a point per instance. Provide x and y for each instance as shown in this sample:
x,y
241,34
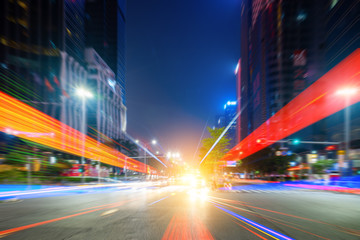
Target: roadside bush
x,y
12,175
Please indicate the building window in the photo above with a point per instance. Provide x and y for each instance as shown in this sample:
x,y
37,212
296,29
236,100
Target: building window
x,y
93,71
302,15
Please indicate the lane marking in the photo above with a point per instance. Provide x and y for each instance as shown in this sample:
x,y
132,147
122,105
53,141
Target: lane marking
x,y
109,211
109,204
17,229
158,200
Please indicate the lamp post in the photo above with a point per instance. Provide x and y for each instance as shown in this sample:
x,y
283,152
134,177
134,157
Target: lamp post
x,y
153,142
125,171
347,93
83,94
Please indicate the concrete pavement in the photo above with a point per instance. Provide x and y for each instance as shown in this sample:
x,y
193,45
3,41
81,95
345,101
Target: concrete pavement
x,y
178,212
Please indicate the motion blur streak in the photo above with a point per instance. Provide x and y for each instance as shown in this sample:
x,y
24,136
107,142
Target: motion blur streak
x,y
183,227
48,190
26,122
327,188
17,229
347,230
279,221
250,230
315,103
268,231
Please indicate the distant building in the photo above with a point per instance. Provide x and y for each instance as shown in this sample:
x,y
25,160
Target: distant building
x,y
107,114
224,119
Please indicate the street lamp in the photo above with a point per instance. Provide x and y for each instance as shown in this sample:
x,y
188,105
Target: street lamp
x,y
347,93
153,142
83,94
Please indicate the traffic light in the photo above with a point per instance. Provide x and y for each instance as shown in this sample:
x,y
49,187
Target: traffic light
x,y
294,141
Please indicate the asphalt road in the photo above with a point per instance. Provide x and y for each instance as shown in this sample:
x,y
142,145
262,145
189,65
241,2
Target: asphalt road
x,y
177,212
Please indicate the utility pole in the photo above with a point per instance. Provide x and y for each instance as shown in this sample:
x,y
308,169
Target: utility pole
x,y
125,170
145,161
28,170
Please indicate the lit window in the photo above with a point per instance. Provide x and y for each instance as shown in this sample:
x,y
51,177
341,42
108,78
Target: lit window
x,y
68,32
301,16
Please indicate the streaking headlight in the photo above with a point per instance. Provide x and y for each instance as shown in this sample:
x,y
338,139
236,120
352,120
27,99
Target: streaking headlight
x,y
203,183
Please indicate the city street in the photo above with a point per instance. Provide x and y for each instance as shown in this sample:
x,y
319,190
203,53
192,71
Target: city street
x,y
179,212
190,120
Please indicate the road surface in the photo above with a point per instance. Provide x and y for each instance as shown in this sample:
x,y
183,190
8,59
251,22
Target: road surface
x,y
178,212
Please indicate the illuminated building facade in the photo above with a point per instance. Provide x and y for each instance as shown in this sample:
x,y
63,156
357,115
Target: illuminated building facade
x,y
108,115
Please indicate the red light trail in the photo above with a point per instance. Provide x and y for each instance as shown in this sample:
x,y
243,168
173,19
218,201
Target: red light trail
x,y
315,103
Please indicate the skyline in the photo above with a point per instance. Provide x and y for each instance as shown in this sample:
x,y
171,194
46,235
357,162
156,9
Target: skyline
x,y
168,56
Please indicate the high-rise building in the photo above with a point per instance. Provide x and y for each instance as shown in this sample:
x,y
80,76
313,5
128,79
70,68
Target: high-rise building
x,y
342,38
41,54
238,100
282,53
105,32
287,45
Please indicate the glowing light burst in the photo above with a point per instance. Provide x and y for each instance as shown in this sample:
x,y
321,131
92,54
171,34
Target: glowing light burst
x,y
19,117
315,103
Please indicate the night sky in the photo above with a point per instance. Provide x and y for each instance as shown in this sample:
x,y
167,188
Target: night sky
x,y
181,56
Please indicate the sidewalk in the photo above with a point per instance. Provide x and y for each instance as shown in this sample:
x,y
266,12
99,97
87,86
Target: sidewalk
x,y
325,188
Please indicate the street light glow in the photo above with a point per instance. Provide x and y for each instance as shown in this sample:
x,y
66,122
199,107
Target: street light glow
x,y
154,142
136,141
347,91
81,92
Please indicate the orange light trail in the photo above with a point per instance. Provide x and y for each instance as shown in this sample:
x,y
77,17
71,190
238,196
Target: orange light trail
x,y
184,228
315,103
16,116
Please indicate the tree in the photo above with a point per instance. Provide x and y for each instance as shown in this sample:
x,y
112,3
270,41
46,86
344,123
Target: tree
x,y
266,162
321,165
219,150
